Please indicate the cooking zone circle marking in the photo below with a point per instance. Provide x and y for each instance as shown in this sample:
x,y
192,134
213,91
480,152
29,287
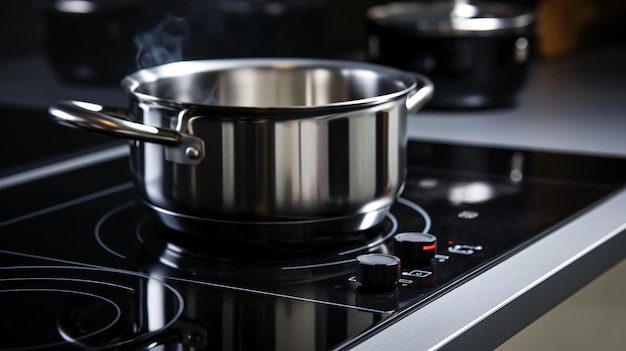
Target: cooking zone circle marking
x,y
70,203
104,219
192,281
92,311
143,223
64,291
377,242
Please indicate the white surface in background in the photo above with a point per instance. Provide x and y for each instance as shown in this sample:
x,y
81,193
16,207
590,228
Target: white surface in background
x,y
576,104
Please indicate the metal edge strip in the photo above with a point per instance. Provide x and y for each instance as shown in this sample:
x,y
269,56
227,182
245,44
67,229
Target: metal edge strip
x,y
63,166
518,290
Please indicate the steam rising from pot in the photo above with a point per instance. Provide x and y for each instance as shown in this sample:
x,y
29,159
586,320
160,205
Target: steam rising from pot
x,y
186,29
163,44
201,29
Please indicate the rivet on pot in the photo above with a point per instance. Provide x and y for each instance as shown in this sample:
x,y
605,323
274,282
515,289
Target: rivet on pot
x,y
192,152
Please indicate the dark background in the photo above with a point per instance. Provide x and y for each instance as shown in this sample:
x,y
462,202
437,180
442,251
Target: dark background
x,y
102,48
23,27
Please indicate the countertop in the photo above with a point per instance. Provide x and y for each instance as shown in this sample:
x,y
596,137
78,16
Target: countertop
x,y
573,104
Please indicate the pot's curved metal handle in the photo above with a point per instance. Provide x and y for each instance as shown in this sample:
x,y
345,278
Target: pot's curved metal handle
x,y
97,118
180,148
423,94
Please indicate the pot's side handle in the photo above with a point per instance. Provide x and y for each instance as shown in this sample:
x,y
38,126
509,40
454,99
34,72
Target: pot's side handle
x,y
422,95
97,118
179,147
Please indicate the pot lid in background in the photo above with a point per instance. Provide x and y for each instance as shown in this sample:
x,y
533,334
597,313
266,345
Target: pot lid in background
x,y
451,17
85,6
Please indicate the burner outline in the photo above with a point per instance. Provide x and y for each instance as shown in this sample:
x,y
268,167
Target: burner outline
x,y
143,220
75,292
374,243
394,227
66,204
370,245
103,219
85,267
192,281
420,210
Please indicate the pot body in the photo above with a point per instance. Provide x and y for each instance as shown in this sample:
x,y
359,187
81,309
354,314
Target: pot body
x,y
264,142
472,62
293,170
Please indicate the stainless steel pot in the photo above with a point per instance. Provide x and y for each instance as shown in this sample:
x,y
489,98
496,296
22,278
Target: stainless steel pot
x,y
266,142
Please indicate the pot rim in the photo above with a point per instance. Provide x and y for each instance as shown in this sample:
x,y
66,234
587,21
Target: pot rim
x,y
452,18
406,82
85,7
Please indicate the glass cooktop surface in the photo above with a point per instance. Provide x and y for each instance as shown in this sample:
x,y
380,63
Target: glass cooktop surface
x,y
84,264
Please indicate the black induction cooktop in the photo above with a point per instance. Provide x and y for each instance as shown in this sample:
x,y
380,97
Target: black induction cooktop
x,y
85,265
31,139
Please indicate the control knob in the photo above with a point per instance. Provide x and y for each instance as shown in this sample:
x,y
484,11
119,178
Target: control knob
x,y
414,248
378,272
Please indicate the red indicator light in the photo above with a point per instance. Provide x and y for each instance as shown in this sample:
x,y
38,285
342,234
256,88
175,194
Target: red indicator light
x,y
429,247
450,242
337,286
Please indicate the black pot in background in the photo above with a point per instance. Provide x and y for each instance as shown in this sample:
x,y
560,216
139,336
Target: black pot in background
x,y
91,41
101,41
476,54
